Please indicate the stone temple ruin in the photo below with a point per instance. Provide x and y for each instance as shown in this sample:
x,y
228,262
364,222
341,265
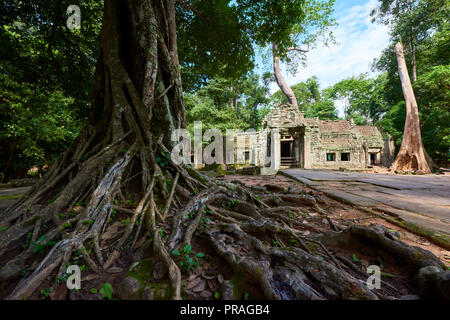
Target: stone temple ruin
x,y
300,142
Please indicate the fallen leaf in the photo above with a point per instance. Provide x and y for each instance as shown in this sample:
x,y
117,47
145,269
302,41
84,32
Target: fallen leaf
x,y
206,294
191,284
200,286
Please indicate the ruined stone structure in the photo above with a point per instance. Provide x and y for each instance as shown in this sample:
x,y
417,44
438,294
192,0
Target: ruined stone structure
x,y
297,141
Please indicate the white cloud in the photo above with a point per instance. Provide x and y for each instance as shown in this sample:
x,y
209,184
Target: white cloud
x,y
359,41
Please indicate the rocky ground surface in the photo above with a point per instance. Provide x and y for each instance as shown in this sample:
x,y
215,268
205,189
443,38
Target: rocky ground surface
x,y
422,201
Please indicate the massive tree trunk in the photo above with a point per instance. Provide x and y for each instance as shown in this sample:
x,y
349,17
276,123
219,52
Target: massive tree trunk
x,y
137,102
411,156
282,84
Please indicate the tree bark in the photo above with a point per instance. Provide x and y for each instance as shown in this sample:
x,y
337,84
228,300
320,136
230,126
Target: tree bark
x,y
413,61
136,99
411,156
282,84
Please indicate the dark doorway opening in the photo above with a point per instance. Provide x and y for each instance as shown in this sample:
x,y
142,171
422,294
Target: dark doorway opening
x,y
286,149
373,159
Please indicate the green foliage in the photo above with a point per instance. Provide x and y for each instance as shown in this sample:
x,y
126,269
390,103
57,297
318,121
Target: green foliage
x,y
45,293
361,97
106,291
38,247
190,261
433,88
311,100
162,159
422,25
226,104
46,74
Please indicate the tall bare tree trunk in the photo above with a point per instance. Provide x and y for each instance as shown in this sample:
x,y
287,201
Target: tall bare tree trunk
x,y
284,87
413,61
411,156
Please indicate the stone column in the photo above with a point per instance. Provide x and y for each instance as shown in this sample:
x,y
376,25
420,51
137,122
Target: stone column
x,y
307,149
275,154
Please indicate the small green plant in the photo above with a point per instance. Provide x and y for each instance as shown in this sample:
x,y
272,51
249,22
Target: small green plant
x,y
293,241
162,160
2,229
88,222
169,183
126,221
106,291
190,261
45,293
275,243
27,241
39,247
93,290
67,225
230,204
217,295
204,222
113,215
53,199
62,277
355,258
246,296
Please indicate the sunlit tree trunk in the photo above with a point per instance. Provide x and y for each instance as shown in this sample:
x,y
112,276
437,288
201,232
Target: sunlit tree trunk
x,y
282,84
411,156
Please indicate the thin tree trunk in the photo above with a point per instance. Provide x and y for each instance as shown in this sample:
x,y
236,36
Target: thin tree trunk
x,y
282,84
413,61
411,156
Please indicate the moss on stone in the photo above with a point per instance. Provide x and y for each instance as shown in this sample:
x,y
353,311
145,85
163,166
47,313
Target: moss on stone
x,y
11,196
238,283
142,271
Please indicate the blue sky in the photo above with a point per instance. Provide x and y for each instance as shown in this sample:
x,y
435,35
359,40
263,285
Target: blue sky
x,y
359,41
